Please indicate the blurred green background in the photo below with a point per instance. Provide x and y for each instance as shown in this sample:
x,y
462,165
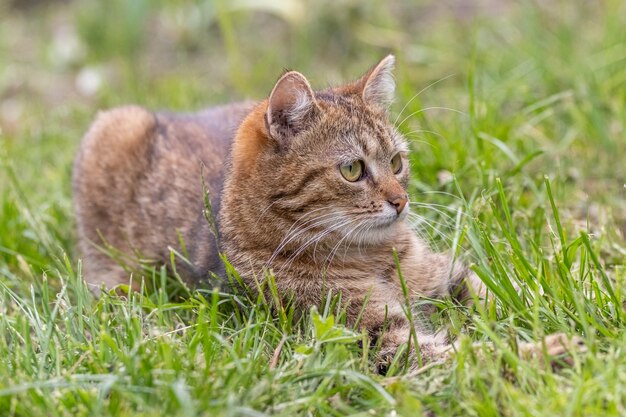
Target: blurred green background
x,y
511,89
498,98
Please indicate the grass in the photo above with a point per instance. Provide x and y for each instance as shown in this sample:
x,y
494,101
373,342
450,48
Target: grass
x,y
519,141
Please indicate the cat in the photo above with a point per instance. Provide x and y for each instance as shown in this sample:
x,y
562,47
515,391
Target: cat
x,y
310,185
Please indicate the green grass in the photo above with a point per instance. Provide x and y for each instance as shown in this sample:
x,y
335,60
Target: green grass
x,y
534,134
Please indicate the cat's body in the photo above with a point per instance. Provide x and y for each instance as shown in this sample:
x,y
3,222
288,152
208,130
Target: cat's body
x,y
290,200
137,187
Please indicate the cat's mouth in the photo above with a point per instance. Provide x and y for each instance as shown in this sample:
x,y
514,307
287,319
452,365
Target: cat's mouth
x,y
389,218
375,228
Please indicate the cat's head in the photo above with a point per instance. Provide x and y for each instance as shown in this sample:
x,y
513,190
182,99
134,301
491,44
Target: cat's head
x,y
325,165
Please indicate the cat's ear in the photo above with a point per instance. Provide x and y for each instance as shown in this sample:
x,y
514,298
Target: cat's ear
x,y
377,86
291,106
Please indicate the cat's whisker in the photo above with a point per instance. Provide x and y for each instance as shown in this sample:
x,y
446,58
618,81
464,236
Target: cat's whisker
x,y
431,108
445,216
428,238
421,233
429,234
304,216
443,206
315,239
320,236
419,139
420,92
339,226
441,193
299,219
310,224
302,221
359,239
307,225
415,138
296,234
266,209
432,132
432,224
352,240
453,220
436,209
334,225
333,252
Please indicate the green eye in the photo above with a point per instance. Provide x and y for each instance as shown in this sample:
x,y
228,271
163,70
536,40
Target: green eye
x,y
352,172
396,164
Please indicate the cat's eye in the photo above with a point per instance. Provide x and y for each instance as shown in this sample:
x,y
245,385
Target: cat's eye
x,y
352,172
396,164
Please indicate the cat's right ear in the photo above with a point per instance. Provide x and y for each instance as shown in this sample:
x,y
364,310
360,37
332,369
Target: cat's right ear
x,y
377,86
291,106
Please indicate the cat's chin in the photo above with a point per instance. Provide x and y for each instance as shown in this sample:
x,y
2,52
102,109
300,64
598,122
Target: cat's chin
x,y
381,234
390,219
382,229
386,222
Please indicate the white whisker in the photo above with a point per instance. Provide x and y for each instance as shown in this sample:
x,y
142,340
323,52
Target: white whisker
x,y
266,209
315,239
420,92
441,192
431,108
432,224
333,252
306,226
436,209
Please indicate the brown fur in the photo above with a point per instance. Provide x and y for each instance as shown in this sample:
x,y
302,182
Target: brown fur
x,y
279,186
137,185
285,207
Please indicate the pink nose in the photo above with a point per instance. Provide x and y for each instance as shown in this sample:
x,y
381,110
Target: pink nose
x,y
398,201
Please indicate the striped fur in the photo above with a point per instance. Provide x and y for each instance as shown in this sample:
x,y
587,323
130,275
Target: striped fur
x,y
281,200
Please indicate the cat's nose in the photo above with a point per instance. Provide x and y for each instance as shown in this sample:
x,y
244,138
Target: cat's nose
x,y
398,201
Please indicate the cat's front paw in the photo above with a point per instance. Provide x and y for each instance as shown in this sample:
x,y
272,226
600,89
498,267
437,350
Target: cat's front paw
x,y
392,340
384,358
432,349
558,347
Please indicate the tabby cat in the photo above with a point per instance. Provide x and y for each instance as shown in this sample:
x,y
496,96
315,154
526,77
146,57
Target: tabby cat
x,y
310,185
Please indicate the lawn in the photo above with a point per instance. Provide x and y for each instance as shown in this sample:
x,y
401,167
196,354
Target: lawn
x,y
516,113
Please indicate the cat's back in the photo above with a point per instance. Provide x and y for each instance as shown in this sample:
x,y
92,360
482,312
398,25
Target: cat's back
x,y
138,188
207,133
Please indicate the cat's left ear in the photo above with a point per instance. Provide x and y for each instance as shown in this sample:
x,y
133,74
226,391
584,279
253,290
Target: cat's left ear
x,y
377,86
291,106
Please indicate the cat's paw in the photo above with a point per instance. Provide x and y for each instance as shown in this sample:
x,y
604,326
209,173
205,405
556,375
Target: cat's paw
x,y
558,347
431,349
427,357
383,359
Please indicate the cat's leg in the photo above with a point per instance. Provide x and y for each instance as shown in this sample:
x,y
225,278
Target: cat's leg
x,y
386,321
376,307
439,275
430,348
101,269
463,284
